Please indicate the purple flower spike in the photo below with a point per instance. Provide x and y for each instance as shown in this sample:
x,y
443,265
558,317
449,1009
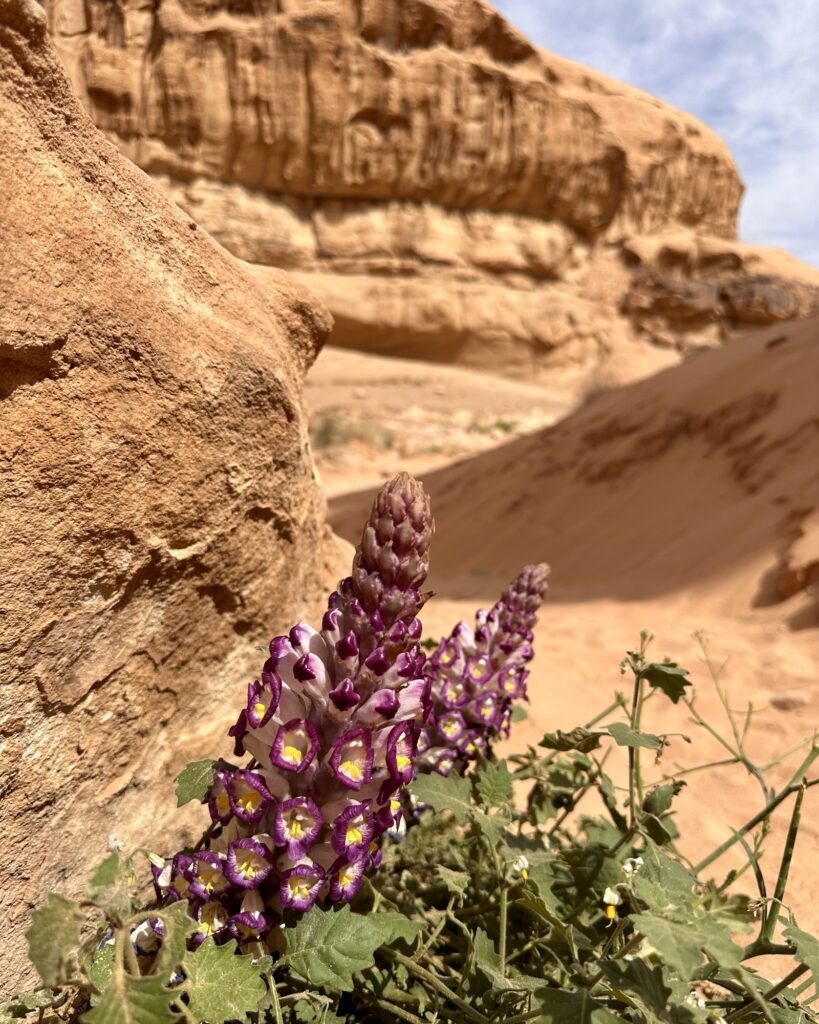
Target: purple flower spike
x,y
263,699
296,825
248,863
249,796
180,875
347,647
380,708
331,721
208,877
346,877
401,751
251,920
353,830
295,746
488,709
238,732
451,724
479,670
219,798
300,886
213,922
378,662
478,673
344,696
454,694
351,759
444,762
512,681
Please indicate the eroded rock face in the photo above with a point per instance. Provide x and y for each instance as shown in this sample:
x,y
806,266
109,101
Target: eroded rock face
x,y
159,513
446,187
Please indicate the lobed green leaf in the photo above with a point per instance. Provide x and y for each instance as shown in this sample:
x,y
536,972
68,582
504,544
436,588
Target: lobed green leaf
x,y
195,780
54,938
220,985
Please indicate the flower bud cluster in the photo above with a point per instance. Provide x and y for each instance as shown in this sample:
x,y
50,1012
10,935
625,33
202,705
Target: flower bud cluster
x,y
332,725
477,674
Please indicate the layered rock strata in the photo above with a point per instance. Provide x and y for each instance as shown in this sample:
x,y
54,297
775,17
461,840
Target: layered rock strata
x,y
451,191
160,518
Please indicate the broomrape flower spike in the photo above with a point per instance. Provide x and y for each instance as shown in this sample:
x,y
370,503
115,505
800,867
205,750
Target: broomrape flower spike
x,y
477,673
332,724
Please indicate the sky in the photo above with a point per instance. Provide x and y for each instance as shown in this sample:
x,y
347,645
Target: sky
x,y
748,68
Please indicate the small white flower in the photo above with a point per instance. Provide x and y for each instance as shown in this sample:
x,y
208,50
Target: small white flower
x,y
694,999
612,898
631,865
114,843
520,866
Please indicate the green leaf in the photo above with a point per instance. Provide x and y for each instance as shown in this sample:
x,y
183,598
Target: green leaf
x,y
101,969
107,874
637,978
128,1000
488,962
624,736
328,947
220,985
492,826
456,882
664,884
108,887
178,927
668,677
494,784
194,781
578,739
559,1007
54,938
450,793
542,878
807,948
519,713
659,799
24,1003
677,943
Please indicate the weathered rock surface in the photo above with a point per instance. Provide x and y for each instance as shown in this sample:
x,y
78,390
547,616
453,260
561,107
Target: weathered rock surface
x,y
159,513
451,191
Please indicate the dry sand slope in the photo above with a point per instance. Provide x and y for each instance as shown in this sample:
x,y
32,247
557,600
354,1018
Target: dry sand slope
x,y
686,501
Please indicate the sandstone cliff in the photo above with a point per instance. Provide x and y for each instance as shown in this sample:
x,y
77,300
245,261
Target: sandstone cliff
x,y
450,191
159,513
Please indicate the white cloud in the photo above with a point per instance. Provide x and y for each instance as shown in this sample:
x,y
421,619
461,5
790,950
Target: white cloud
x,y
748,68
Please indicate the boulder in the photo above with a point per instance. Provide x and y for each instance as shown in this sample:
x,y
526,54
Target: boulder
x,y
160,516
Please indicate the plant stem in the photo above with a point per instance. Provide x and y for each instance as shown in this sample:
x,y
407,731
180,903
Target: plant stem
x,y
756,820
769,924
634,780
130,952
504,906
397,1011
271,984
759,1001
435,983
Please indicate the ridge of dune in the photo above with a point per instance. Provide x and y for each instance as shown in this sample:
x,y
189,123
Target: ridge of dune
x,y
703,478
